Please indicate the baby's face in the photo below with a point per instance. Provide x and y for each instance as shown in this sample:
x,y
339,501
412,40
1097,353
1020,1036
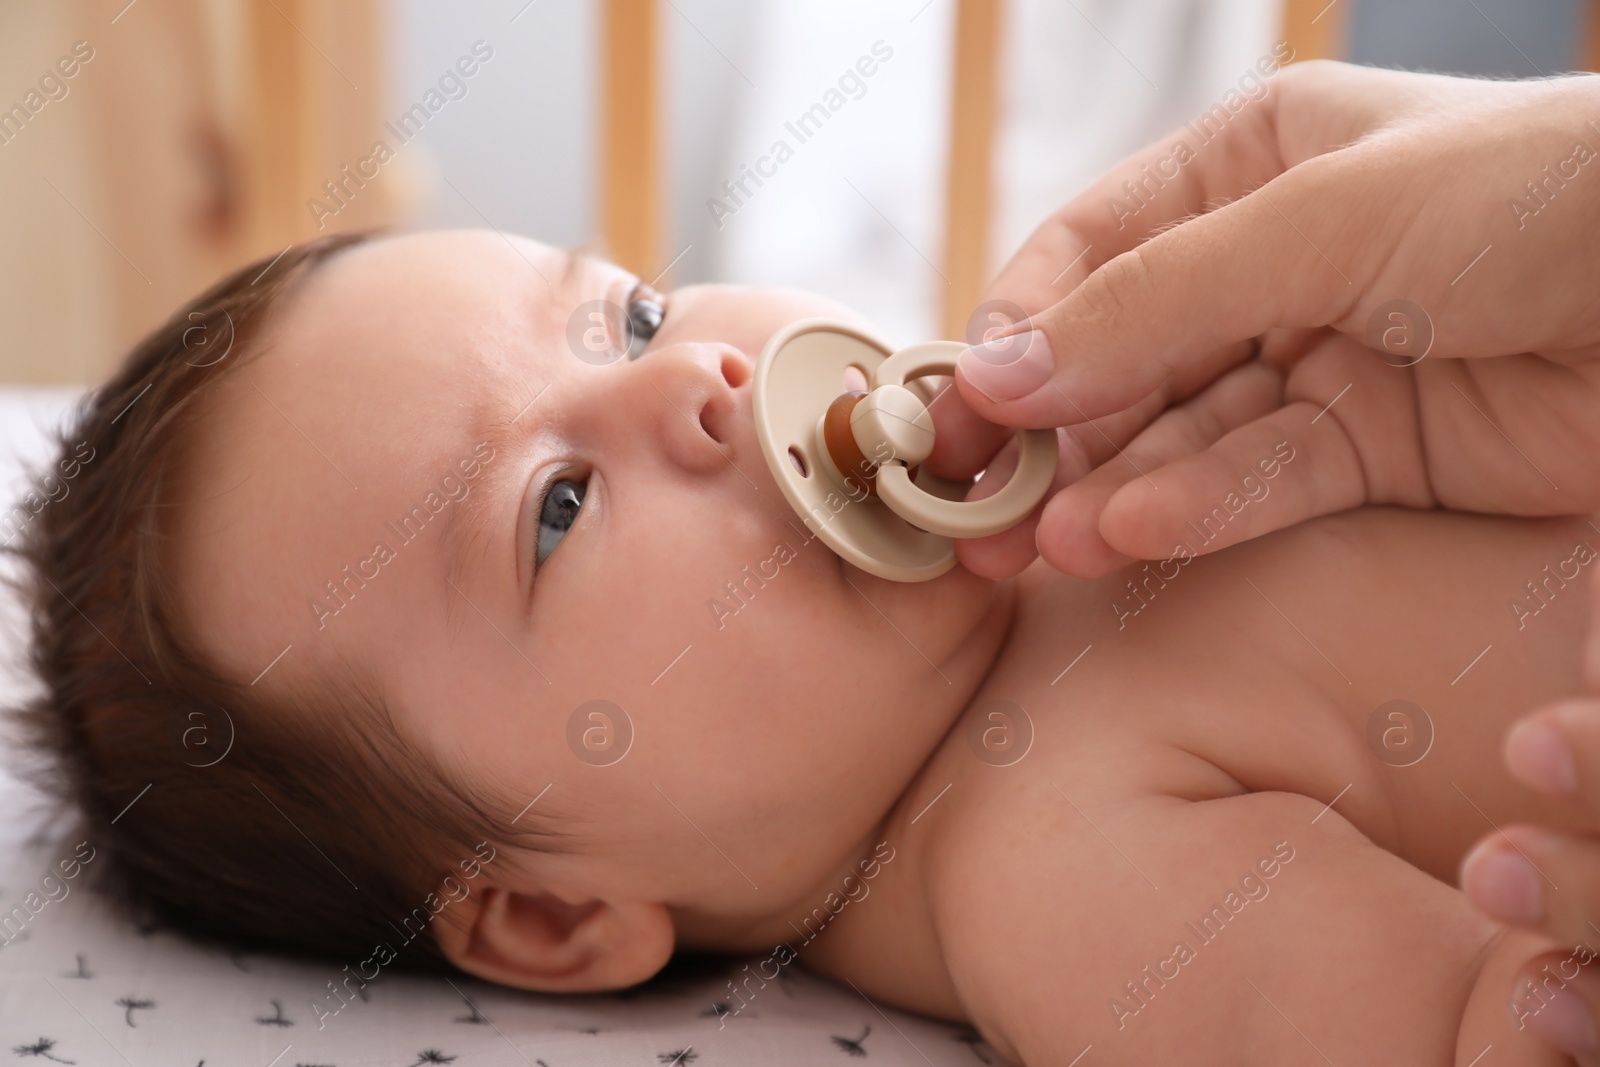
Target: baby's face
x,y
514,532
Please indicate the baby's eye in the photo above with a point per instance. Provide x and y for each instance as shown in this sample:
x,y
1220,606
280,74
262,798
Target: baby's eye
x,y
646,310
557,512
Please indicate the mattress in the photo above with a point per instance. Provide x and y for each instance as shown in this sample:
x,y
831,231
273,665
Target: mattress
x,y
83,987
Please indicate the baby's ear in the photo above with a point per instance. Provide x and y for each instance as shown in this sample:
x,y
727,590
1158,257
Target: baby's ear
x,y
540,942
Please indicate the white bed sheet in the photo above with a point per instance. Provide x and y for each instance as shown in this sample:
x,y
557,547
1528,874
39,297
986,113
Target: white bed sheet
x,y
78,986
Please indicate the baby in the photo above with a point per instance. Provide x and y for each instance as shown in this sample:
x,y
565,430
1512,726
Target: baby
x,y
383,624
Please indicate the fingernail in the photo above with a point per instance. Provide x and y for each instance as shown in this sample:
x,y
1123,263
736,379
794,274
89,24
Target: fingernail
x,y
1503,884
1540,758
1565,1022
1008,367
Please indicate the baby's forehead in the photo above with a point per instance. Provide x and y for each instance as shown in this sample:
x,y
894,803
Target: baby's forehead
x,y
367,387
439,277
393,325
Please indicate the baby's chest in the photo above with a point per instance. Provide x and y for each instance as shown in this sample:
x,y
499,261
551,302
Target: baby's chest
x,y
1068,834
1210,712
1249,673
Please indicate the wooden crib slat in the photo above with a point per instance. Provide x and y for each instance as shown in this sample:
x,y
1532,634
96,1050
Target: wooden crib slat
x,y
1590,58
1316,29
974,105
630,154
280,139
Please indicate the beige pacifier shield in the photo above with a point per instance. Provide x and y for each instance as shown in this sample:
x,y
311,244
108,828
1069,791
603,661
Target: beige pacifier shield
x,y
799,374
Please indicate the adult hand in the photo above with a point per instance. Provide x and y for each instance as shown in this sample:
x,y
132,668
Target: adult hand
x,y
1549,881
1218,293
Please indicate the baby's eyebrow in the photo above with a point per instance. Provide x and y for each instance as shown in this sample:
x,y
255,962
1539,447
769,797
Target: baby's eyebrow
x,y
573,260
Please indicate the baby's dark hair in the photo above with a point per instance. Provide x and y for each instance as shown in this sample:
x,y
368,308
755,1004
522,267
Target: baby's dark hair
x,y
300,822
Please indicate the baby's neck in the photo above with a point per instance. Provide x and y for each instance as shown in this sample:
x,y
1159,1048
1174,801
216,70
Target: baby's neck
x,y
836,930
882,936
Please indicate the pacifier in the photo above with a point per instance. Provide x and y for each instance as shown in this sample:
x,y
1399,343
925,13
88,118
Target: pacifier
x,y
847,460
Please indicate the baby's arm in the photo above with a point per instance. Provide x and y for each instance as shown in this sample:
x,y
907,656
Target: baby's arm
x,y
1279,934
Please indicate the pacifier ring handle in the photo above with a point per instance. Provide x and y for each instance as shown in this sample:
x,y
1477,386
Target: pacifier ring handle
x,y
1037,456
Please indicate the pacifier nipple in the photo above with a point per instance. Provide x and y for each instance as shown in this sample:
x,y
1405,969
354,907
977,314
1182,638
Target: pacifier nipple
x,y
847,461
861,431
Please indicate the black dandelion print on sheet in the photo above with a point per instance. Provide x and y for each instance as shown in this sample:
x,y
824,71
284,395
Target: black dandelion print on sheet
x,y
477,1018
133,1004
82,971
41,1047
678,1058
852,1046
430,1055
276,1018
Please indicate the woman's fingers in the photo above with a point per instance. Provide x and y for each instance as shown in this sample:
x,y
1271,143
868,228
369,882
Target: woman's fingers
x,y
1556,998
1274,472
1070,537
1546,881
1010,551
1556,750
1092,229
1081,449
1093,450
1215,159
1355,222
1271,122
1144,273
1094,466
1537,879
963,443
1185,293
1345,437
1211,160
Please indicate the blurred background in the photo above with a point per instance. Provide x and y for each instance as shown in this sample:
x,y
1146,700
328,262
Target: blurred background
x,y
191,136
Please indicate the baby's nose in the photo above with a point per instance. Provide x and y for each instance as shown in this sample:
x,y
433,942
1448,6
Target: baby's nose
x,y
694,389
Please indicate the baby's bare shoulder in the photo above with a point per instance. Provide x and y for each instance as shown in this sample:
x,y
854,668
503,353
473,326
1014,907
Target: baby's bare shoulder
x,y
1152,817
1258,928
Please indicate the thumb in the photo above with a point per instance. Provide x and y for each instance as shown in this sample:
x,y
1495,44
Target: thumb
x,y
1174,302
